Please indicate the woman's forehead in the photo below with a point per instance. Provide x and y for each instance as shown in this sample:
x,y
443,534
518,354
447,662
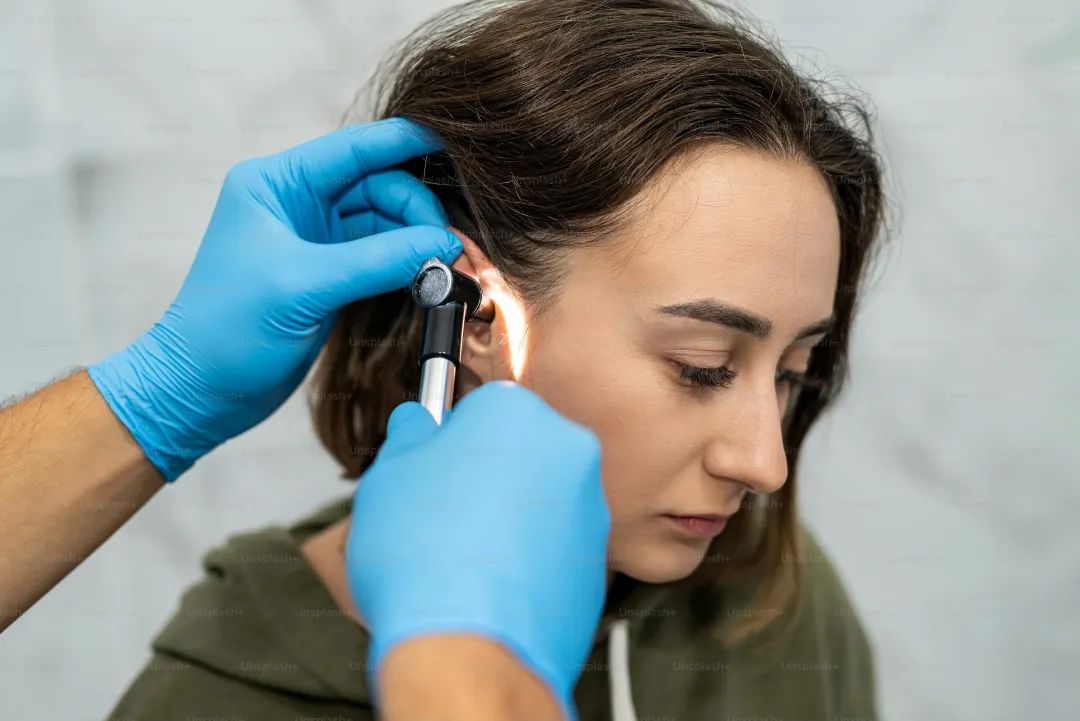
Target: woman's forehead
x,y
738,222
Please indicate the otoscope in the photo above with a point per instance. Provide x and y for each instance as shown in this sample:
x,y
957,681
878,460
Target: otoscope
x,y
451,298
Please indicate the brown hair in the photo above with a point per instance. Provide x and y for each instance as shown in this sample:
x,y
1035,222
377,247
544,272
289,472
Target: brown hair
x,y
553,115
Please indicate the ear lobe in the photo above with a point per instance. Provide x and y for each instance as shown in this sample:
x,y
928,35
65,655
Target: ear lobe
x,y
480,361
480,338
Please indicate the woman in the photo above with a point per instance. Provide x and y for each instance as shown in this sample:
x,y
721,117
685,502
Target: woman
x,y
675,226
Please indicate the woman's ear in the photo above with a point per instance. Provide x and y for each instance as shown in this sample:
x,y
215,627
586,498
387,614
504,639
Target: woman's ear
x,y
485,351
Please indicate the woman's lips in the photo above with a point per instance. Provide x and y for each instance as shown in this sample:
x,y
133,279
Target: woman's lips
x,y
700,526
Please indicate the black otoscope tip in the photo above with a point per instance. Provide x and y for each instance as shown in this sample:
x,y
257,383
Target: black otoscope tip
x,y
450,298
436,283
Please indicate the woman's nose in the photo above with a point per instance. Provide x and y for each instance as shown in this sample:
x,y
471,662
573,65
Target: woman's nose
x,y
747,446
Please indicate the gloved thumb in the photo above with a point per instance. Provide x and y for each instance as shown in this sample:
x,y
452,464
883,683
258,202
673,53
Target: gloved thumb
x,y
379,263
409,424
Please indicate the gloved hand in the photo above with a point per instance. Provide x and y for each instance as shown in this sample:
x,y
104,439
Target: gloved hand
x,y
493,523
284,250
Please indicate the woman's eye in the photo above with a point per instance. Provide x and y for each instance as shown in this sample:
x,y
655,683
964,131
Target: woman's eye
x,y
718,377
796,378
722,376
789,376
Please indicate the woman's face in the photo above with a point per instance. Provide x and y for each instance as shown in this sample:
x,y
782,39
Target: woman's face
x,y
731,261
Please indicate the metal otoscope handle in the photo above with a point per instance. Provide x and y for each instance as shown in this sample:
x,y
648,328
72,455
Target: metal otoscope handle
x,y
450,298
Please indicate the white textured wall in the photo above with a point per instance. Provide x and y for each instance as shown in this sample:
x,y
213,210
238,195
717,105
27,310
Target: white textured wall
x,y
945,485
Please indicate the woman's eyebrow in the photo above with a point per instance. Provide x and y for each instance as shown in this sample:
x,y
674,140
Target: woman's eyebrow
x,y
712,310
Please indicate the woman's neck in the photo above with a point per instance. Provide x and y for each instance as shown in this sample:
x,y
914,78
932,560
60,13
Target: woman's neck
x,y
325,553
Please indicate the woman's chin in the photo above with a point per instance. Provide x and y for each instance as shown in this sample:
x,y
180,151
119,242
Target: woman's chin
x,y
658,562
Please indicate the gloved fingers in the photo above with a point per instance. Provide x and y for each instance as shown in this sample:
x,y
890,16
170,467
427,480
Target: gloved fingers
x,y
297,375
361,225
333,163
409,424
324,333
342,273
396,194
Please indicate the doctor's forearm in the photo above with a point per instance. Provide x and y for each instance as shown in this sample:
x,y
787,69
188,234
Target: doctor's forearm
x,y
70,475
461,678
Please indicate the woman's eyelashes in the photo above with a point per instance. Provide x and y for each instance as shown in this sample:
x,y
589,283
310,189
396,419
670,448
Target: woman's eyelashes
x,y
803,379
723,376
796,378
718,377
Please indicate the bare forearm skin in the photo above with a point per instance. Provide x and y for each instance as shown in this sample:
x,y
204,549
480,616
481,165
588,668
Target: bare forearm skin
x,y
70,475
461,677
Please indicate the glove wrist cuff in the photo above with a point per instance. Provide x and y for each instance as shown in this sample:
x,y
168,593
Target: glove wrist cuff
x,y
125,380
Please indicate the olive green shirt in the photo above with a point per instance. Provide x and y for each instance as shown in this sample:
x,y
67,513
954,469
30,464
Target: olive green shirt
x,y
260,638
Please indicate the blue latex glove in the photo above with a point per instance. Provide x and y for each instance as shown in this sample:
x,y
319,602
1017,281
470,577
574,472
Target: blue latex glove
x,y
284,250
493,523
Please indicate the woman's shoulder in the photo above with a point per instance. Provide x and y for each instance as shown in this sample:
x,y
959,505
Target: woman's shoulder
x,y
823,590
819,647
258,636
811,660
820,605
825,606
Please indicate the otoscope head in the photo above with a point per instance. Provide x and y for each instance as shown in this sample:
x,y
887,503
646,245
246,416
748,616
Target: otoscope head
x,y
450,298
436,283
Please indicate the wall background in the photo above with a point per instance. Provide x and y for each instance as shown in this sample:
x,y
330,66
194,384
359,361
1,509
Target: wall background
x,y
945,487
